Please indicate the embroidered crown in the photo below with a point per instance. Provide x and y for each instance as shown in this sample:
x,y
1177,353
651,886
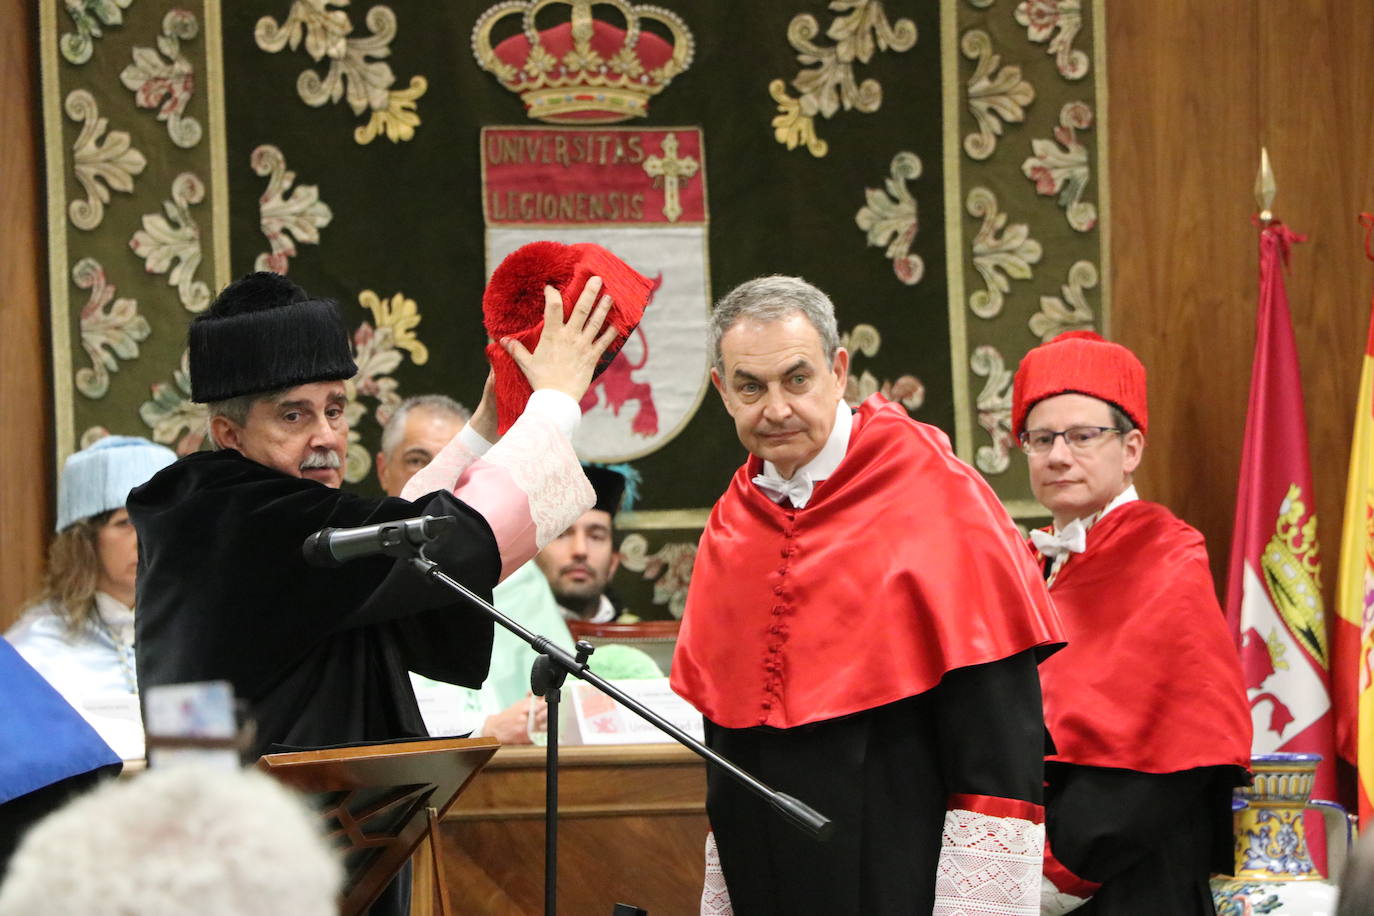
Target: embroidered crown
x,y
586,70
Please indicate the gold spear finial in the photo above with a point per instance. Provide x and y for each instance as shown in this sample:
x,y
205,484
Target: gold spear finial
x,y
1265,187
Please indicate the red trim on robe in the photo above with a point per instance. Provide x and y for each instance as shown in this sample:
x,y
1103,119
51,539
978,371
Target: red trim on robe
x,y
1150,680
997,806
903,566
1065,881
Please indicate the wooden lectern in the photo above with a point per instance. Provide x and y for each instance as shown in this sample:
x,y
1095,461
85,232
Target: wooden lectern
x,y
379,801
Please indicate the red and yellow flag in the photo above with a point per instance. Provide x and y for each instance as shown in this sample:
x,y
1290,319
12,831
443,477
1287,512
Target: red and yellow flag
x,y
1353,627
1273,597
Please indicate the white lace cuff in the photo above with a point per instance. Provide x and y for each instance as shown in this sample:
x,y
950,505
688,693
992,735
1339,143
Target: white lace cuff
x,y
542,463
715,896
989,864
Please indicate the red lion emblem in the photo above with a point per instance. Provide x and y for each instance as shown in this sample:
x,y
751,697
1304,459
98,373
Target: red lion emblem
x,y
619,387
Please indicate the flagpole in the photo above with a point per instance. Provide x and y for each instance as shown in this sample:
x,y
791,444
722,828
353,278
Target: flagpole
x,y
1274,601
1265,188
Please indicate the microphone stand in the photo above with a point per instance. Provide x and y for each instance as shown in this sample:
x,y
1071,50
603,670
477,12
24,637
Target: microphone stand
x,y
550,668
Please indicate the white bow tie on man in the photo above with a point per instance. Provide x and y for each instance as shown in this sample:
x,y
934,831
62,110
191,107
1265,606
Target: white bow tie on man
x,y
1072,538
797,490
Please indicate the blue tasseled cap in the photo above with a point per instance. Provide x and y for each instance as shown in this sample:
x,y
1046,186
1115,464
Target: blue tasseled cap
x,y
99,478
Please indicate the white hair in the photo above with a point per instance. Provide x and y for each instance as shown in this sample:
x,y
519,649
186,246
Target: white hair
x,y
176,841
441,404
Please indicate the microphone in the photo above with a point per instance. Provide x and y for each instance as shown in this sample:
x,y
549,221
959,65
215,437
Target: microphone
x,y
401,538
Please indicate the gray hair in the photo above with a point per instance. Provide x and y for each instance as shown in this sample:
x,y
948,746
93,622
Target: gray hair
x,y
1119,418
442,404
773,299
173,841
236,410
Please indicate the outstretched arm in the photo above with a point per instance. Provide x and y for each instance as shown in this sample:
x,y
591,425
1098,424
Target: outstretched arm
x,y
529,486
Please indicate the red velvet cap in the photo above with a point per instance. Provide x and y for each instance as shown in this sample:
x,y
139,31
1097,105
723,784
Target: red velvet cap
x,y
1080,362
513,306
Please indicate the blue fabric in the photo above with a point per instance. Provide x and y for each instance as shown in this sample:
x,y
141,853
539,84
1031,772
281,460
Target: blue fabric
x,y
99,478
43,740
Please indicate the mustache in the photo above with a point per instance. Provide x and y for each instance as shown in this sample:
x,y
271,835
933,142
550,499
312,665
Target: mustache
x,y
324,458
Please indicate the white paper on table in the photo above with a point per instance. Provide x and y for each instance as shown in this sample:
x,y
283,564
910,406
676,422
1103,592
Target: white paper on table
x,y
597,719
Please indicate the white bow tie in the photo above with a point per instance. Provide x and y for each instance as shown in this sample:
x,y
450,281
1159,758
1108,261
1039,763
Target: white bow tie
x,y
1072,539
798,489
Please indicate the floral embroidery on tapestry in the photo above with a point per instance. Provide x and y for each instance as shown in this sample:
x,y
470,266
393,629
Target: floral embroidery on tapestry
x,y
830,85
176,420
89,16
1043,18
998,258
864,340
174,236
167,86
1062,168
994,96
1070,313
286,220
994,409
669,568
101,165
378,348
890,218
353,75
110,330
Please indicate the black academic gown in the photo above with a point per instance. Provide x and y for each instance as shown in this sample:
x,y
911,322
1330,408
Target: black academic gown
x,y
884,777
1151,839
320,656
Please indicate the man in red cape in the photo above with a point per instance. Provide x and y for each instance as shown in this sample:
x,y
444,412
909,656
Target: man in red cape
x,y
862,633
1145,706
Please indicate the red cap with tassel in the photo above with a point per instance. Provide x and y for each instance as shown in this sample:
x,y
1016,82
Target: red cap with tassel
x,y
513,306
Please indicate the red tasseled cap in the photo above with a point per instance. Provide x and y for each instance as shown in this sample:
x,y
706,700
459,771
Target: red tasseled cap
x,y
513,306
1080,362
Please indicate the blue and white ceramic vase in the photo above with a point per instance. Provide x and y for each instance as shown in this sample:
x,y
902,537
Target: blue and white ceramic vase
x,y
1274,871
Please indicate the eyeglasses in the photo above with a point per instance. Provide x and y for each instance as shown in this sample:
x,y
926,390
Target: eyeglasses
x,y
1078,438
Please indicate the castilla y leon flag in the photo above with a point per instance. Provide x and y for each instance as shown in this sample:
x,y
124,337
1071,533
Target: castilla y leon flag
x,y
1352,636
1273,596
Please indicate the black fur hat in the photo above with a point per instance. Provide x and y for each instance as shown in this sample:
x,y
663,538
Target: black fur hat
x,y
263,333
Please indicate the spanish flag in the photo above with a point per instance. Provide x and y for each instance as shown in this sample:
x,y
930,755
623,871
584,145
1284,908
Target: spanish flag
x,y
1353,633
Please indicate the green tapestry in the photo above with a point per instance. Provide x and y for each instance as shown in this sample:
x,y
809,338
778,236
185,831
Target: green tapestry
x,y
934,167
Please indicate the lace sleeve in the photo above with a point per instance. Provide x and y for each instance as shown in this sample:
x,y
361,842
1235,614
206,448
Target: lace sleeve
x,y
990,856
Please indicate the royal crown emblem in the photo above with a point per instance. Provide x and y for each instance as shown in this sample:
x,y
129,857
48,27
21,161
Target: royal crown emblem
x,y
585,70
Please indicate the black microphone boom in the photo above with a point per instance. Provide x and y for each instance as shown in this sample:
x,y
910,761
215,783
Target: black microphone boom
x,y
401,538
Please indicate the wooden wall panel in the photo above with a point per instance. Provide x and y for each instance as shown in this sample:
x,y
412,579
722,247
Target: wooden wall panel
x,y
1315,109
1196,89
25,434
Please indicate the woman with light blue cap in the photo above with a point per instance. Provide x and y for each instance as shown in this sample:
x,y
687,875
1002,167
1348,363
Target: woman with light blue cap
x,y
79,632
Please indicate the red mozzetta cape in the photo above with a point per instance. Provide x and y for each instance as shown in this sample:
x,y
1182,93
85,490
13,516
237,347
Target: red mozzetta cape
x,y
1150,680
902,566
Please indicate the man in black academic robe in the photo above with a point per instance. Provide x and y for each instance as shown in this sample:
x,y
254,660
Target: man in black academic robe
x,y
320,655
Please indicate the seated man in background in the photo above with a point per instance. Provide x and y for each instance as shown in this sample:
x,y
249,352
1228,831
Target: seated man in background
x,y
580,563
79,634
501,709
417,431
1145,705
